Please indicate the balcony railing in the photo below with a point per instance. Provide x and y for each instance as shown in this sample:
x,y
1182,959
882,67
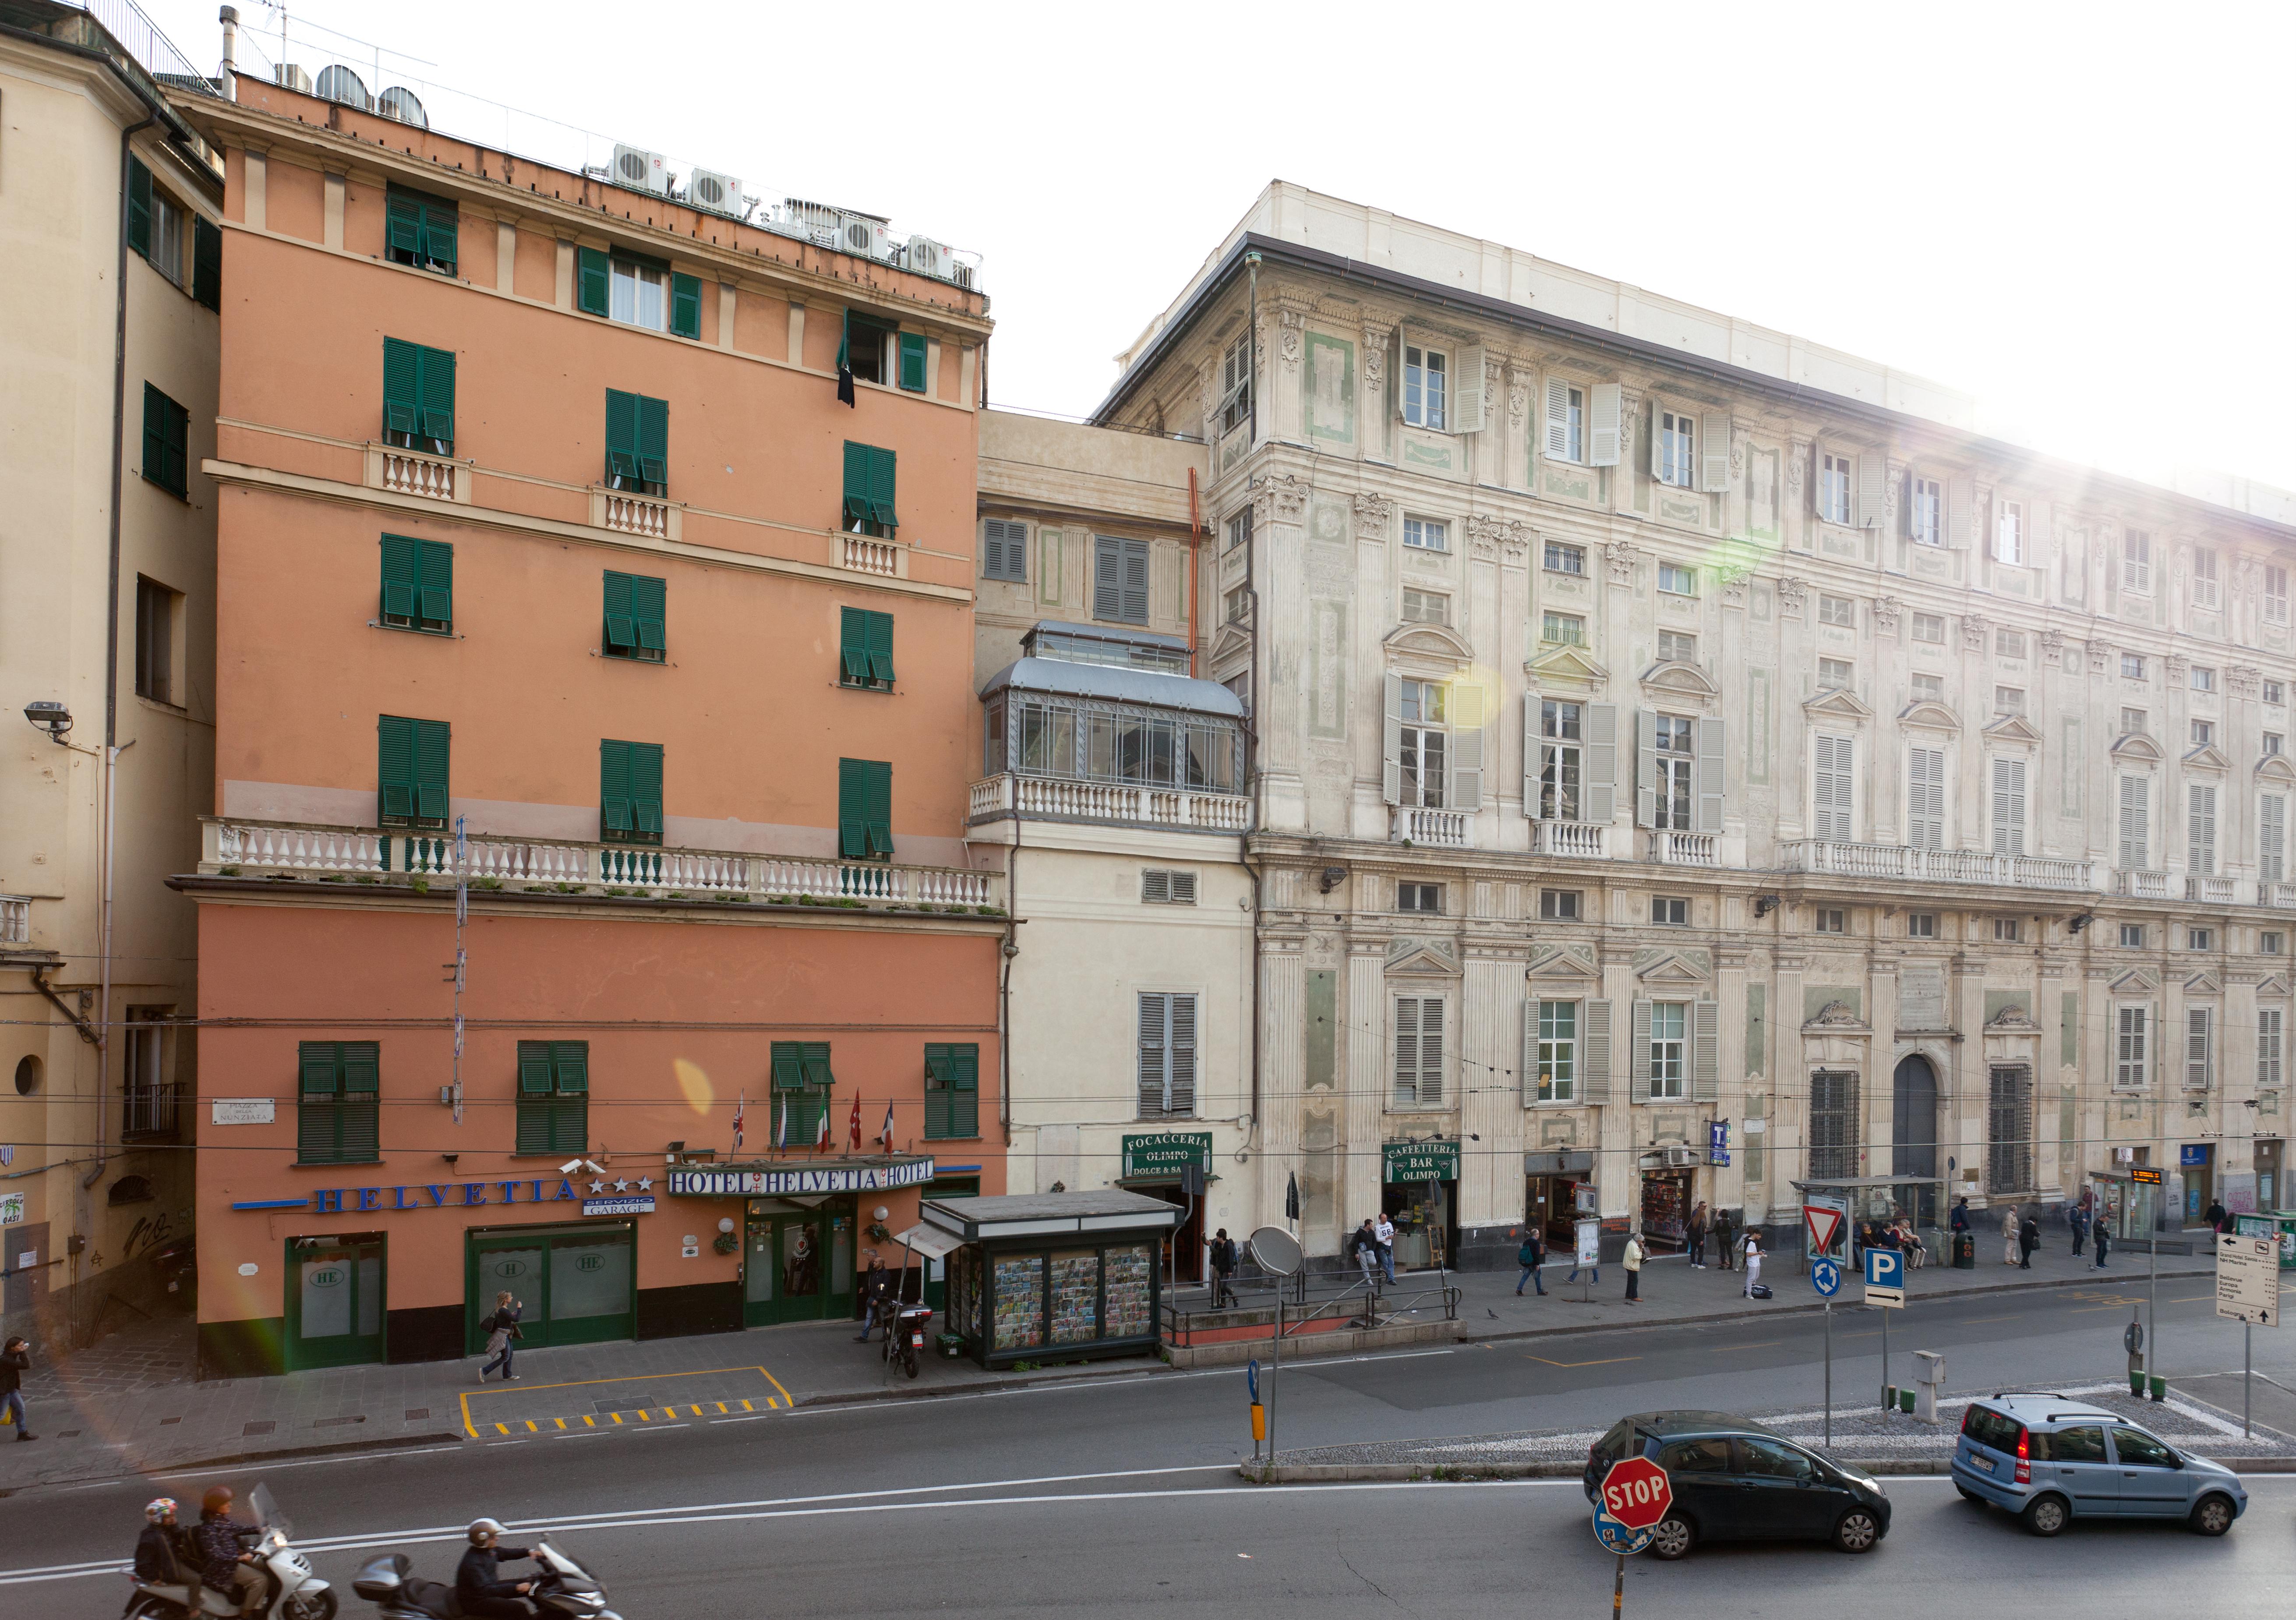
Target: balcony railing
x,y
15,920
2279,895
1684,849
2142,885
2209,890
1439,829
1182,809
638,514
409,472
870,556
1581,840
359,854
1891,860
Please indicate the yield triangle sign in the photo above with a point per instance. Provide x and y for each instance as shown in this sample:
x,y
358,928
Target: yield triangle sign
x,y
1822,1224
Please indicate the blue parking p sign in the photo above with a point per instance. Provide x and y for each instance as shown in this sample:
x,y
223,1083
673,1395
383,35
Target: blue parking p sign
x,y
1884,1268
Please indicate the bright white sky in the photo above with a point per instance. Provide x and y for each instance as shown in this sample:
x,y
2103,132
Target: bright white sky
x,y
2079,214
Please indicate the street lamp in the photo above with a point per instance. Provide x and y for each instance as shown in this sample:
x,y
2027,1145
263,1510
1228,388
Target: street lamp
x,y
51,717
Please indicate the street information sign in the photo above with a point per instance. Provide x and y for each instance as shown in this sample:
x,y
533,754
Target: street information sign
x,y
1822,1224
1617,1538
2248,1280
1885,1277
1826,1277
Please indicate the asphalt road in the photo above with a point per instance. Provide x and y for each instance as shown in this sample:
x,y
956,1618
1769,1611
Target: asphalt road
x,y
1097,1492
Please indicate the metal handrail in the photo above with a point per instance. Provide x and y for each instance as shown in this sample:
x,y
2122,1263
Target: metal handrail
x,y
1353,1293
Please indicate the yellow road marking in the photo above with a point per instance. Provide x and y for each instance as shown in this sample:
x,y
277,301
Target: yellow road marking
x,y
787,1399
721,1406
697,1411
1605,1362
530,1426
502,1428
589,1423
468,1426
617,1417
747,1407
1764,1344
642,1416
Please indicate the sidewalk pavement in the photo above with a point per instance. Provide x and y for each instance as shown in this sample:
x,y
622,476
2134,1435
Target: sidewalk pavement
x,y
129,1404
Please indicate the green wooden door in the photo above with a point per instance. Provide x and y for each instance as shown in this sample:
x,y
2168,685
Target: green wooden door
x,y
334,1302
797,1266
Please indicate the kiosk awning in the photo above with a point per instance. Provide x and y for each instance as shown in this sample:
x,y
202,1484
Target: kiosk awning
x,y
931,1244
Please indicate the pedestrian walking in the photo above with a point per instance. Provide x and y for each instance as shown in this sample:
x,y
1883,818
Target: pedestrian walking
x,y
1363,1247
877,1291
2216,1217
1223,1269
502,1334
1697,1233
2077,1218
1384,1230
1753,1262
15,1361
1632,1260
2029,1238
2009,1236
2104,1236
1529,1257
1723,1229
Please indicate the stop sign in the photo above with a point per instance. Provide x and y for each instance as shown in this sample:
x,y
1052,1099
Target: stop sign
x,y
1635,1492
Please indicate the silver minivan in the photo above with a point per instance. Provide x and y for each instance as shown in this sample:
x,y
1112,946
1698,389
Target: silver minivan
x,y
2051,1460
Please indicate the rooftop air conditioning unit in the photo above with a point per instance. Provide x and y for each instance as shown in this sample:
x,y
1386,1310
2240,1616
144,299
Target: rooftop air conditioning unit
x,y
866,236
927,257
719,194
642,171
295,78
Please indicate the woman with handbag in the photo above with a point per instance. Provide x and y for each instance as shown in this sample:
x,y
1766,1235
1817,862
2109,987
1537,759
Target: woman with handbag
x,y
502,1334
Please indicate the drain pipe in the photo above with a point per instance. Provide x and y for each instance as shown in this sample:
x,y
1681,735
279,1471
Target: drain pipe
x,y
1251,720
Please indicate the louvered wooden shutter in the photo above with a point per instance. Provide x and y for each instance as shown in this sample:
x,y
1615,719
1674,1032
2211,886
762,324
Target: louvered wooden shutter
x,y
207,263
1155,886
1714,452
1154,1070
318,1103
432,740
1184,1055
1960,513
1107,584
1004,549
1527,1070
1406,1050
437,395
155,435
394,766
1431,1051
2008,807
442,229
1652,441
403,226
1599,778
878,646
852,646
1873,489
913,361
402,573
685,306
621,436
1645,768
1705,1051
1464,758
1594,1052
359,1137
877,807
1558,419
139,207
937,1090
1390,768
435,563
1532,744
1711,767
1604,407
614,787
2201,835
2135,840
1466,412
1641,1056
856,482
621,617
2272,840
1134,591
649,611
1925,798
645,787
653,441
1836,810
590,281
402,386
882,468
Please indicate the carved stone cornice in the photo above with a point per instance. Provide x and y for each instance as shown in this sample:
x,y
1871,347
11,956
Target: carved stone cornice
x,y
1620,556
2241,680
1793,594
1281,499
1887,612
1975,631
2052,649
1374,515
2100,656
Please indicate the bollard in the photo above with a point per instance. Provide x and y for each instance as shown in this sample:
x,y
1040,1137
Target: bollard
x,y
1929,1382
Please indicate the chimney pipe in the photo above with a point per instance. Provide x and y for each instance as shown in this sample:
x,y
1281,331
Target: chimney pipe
x,y
229,17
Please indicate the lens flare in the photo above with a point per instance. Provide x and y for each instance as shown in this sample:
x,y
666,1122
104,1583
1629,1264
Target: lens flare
x,y
695,1084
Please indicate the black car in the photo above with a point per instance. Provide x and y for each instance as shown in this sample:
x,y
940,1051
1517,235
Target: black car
x,y
1734,1480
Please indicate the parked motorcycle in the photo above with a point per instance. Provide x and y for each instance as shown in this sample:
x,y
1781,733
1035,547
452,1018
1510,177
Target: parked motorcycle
x,y
908,1337
564,1587
292,1590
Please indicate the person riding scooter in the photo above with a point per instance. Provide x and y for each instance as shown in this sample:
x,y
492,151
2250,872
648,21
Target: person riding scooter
x,y
476,1588
163,1554
225,1566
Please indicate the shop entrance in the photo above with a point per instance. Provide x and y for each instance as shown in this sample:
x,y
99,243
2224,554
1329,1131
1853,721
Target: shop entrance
x,y
2267,1176
1912,1131
1184,1249
574,1284
334,1301
798,1261
2195,1161
1426,1219
1666,1209
1558,1193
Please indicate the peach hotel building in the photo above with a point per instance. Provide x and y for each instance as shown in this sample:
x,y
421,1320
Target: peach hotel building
x,y
594,722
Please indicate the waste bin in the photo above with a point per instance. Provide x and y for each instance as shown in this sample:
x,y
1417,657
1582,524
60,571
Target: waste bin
x,y
1965,1252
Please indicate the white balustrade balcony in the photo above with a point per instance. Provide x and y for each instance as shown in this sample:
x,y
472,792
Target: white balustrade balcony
x,y
15,920
520,865
410,472
870,556
1899,862
1439,829
638,514
2279,895
2209,890
1684,849
1181,809
2142,885
1580,840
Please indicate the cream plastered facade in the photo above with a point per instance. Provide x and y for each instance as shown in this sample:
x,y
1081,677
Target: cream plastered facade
x,y
1910,731
87,1190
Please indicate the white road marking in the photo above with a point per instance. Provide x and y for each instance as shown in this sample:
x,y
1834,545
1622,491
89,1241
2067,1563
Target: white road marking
x,y
311,1462
1309,1365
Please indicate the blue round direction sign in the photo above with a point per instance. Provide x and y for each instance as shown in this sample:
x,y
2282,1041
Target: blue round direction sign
x,y
1826,1277
1617,1537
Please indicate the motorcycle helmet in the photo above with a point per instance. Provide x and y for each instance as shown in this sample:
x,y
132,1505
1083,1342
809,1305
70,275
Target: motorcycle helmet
x,y
217,1499
159,1508
485,1531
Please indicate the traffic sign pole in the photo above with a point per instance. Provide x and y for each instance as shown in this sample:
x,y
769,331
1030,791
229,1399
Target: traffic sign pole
x,y
1618,1588
1829,1375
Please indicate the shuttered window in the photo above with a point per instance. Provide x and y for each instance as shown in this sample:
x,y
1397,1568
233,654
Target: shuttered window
x,y
167,442
2200,1048
1161,886
418,396
869,490
865,649
1925,798
2201,833
421,231
2008,807
2008,1129
207,262
913,361
864,809
139,207
1004,550
1167,1056
1418,1051
591,280
553,1095
418,584
411,759
2136,846
629,791
637,622
1120,580
1834,820
1833,1123
803,1083
637,442
2128,1061
685,306
2272,840
337,1102
952,1092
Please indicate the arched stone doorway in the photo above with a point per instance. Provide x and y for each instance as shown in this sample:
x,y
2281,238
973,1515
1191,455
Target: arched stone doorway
x,y
1913,1131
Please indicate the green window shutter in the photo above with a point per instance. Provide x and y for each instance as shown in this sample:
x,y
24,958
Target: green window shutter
x,y
621,620
645,787
534,1124
207,263
394,766
139,207
653,441
435,561
649,606
685,306
357,1138
403,226
913,361
402,575
856,482
621,436
533,1068
788,1066
402,385
569,1124
155,434
178,460
881,488
432,740
569,1062
590,281
317,1139
880,811
614,787
964,1095
937,1092
442,230
853,644
438,395
815,1055
852,808
880,628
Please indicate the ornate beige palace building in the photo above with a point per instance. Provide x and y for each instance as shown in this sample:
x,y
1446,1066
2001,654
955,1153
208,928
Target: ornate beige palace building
x,y
1672,736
